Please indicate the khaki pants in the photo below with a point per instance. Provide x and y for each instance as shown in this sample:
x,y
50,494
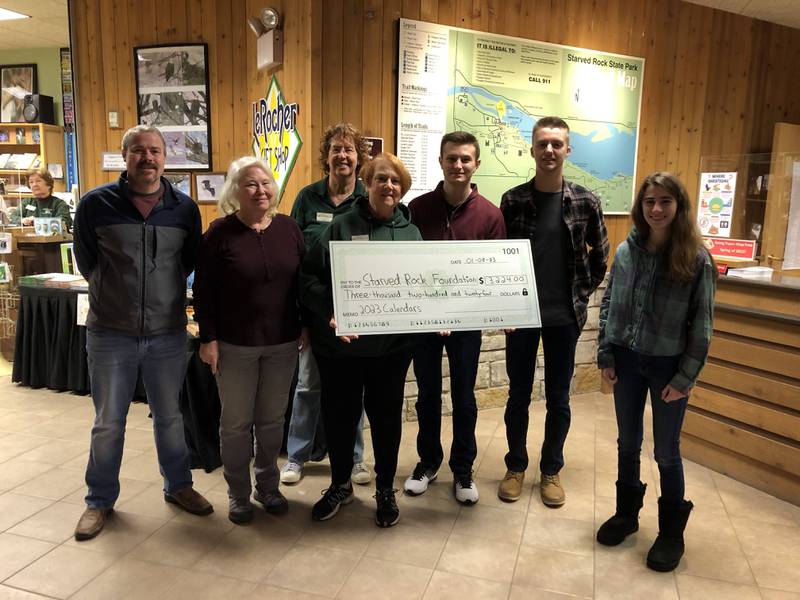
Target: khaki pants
x,y
254,384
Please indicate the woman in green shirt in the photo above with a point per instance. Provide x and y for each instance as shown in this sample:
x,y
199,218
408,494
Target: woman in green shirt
x,y
43,203
655,329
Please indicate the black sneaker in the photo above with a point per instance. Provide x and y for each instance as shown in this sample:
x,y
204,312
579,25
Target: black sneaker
x,y
332,499
387,513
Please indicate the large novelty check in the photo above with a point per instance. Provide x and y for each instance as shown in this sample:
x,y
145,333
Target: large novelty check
x,y
412,287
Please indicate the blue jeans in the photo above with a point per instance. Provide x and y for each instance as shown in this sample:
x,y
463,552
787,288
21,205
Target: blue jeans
x,y
636,375
463,350
522,346
114,363
306,422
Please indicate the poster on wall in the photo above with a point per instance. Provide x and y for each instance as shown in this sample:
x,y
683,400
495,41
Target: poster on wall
x,y
172,95
497,87
276,139
16,82
715,203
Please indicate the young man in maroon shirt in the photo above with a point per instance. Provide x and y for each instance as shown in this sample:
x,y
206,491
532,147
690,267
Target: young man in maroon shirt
x,y
453,211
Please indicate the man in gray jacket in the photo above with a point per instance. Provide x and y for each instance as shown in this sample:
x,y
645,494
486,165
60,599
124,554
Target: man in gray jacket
x,y
135,243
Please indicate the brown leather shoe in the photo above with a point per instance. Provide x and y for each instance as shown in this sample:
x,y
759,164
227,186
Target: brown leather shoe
x,y
551,491
91,523
510,488
190,501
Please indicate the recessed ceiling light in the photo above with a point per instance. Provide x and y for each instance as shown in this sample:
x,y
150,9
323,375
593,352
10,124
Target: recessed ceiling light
x,y
10,15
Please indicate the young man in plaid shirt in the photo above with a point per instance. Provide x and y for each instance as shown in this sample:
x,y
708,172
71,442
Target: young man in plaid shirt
x,y
564,223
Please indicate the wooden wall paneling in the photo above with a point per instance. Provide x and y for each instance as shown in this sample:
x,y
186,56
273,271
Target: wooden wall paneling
x,y
124,81
315,110
509,18
447,13
779,331
244,66
756,414
776,300
429,11
773,451
389,64
749,382
743,351
352,47
462,14
194,12
96,91
209,35
222,96
753,472
178,26
87,162
372,57
110,54
333,59
411,9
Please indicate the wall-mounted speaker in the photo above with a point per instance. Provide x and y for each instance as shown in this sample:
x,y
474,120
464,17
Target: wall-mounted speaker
x,y
38,109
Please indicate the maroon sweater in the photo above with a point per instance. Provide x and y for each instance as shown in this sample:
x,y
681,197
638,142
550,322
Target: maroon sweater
x,y
246,282
474,219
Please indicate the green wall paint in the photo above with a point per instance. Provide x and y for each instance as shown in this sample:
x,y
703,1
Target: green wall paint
x,y
48,71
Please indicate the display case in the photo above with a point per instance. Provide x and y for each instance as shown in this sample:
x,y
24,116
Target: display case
x,y
25,146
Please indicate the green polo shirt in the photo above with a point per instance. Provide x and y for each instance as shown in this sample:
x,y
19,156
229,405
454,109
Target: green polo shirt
x,y
313,209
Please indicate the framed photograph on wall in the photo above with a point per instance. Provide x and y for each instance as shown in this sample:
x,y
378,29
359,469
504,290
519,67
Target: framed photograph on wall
x,y
181,181
208,186
172,95
16,82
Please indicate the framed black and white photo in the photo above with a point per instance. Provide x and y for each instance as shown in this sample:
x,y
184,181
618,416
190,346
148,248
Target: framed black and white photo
x,y
16,82
208,186
172,95
181,182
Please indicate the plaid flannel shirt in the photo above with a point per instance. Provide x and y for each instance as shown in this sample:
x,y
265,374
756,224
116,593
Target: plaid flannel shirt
x,y
583,216
645,311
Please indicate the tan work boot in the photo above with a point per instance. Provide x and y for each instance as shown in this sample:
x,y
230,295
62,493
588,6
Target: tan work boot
x,y
91,523
551,491
510,488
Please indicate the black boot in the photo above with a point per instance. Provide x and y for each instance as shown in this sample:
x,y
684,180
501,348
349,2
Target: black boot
x,y
626,520
668,548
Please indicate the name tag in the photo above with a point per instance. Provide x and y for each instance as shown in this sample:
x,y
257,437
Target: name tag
x,y
360,238
30,207
324,217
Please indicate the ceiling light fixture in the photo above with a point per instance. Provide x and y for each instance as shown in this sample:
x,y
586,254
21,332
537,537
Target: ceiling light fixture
x,y
10,15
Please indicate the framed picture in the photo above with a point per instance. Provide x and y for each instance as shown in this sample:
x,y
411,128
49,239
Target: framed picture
x,y
172,95
208,186
181,182
16,82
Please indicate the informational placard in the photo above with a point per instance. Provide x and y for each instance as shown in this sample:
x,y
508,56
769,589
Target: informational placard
x,y
715,206
497,87
731,249
791,251
113,161
413,287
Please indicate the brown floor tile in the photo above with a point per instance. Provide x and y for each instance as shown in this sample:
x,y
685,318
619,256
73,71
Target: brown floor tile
x,y
556,533
313,570
130,579
388,579
478,557
698,588
61,572
449,586
631,581
55,523
555,571
178,545
17,552
15,508
408,544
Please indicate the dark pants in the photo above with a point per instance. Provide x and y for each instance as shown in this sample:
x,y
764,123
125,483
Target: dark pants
x,y
636,375
463,350
380,381
559,363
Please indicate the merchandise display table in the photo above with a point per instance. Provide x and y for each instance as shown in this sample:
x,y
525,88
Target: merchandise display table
x,y
50,351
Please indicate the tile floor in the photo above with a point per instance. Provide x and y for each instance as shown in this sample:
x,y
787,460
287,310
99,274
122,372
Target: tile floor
x,y
741,543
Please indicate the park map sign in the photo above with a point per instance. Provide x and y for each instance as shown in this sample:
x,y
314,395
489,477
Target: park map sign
x,y
496,87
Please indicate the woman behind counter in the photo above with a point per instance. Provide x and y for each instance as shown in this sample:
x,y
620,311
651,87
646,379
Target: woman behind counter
x,y
373,366
43,204
655,328
246,303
